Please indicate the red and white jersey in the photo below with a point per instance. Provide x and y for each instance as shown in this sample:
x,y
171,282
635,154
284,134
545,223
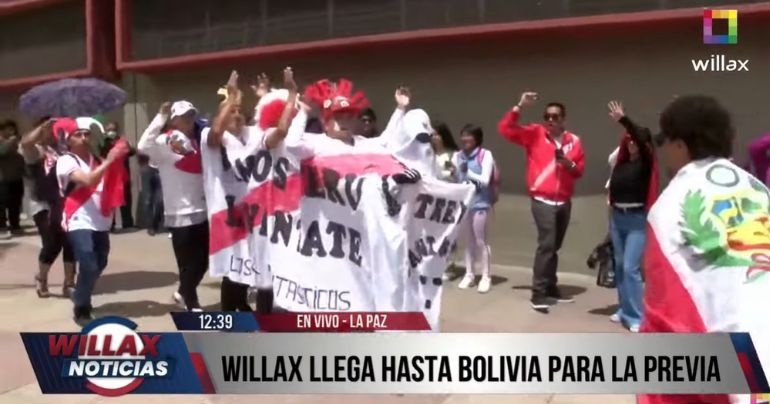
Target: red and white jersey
x,y
82,205
546,179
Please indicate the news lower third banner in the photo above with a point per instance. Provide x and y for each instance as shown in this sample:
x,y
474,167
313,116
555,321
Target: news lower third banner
x,y
111,357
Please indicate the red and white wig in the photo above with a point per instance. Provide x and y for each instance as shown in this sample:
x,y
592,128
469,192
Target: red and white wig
x,y
332,98
269,109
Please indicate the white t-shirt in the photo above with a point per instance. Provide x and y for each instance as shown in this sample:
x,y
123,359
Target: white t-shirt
x,y
88,216
184,201
307,145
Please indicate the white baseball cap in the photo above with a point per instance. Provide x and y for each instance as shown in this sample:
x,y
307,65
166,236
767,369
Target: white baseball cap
x,y
180,108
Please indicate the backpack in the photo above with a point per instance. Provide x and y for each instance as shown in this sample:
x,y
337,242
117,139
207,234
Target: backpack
x,y
494,180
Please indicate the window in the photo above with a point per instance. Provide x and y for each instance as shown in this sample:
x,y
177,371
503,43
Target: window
x,y
164,28
49,40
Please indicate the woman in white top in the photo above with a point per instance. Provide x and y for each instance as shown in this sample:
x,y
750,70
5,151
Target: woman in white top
x,y
475,165
444,146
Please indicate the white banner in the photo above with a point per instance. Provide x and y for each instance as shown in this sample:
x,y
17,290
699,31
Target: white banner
x,y
323,230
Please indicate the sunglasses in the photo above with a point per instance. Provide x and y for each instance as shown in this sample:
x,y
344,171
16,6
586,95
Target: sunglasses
x,y
551,117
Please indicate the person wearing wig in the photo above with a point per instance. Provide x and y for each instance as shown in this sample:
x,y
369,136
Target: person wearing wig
x,y
633,189
273,113
339,108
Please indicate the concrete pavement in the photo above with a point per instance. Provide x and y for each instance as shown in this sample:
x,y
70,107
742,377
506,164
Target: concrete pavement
x,y
141,277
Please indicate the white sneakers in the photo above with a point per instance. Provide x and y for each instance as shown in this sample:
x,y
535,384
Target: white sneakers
x,y
178,299
469,281
615,318
485,284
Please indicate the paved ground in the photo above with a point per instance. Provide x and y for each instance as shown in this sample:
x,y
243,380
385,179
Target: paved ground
x,y
141,277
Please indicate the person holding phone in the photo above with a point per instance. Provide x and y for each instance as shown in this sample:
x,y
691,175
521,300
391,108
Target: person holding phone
x,y
555,162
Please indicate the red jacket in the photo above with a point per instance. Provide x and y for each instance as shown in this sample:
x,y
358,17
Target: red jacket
x,y
545,178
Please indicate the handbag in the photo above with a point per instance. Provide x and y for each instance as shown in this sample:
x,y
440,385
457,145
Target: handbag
x,y
603,260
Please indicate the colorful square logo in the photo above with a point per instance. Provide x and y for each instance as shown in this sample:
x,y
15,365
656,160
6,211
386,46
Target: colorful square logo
x,y
760,399
713,17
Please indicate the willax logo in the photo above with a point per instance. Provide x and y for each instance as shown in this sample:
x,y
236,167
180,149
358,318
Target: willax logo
x,y
728,36
720,27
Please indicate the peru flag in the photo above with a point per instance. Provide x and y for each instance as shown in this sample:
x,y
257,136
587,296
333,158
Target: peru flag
x,y
707,263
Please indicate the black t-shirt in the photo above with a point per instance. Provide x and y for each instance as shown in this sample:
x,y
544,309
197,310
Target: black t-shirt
x,y
630,182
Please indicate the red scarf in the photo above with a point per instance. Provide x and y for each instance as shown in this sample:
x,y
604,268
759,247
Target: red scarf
x,y
113,180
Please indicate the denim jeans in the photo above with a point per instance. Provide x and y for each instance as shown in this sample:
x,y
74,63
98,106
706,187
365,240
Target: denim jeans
x,y
91,249
627,232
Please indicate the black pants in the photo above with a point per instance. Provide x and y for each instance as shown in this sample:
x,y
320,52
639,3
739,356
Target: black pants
x,y
191,249
151,199
551,222
126,212
54,239
234,296
11,197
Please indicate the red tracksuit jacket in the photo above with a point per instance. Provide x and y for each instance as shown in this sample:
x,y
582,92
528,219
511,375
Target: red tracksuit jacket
x,y
545,178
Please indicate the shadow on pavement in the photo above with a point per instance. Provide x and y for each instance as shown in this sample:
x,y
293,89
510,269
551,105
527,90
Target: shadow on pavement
x,y
567,291
136,280
6,246
14,286
604,311
142,308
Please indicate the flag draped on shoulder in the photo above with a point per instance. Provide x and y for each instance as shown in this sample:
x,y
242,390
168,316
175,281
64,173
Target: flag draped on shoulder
x,y
707,259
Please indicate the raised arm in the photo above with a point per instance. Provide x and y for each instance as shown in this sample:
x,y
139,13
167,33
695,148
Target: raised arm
x,y
509,127
277,136
389,137
148,144
219,126
33,138
641,135
260,90
296,141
